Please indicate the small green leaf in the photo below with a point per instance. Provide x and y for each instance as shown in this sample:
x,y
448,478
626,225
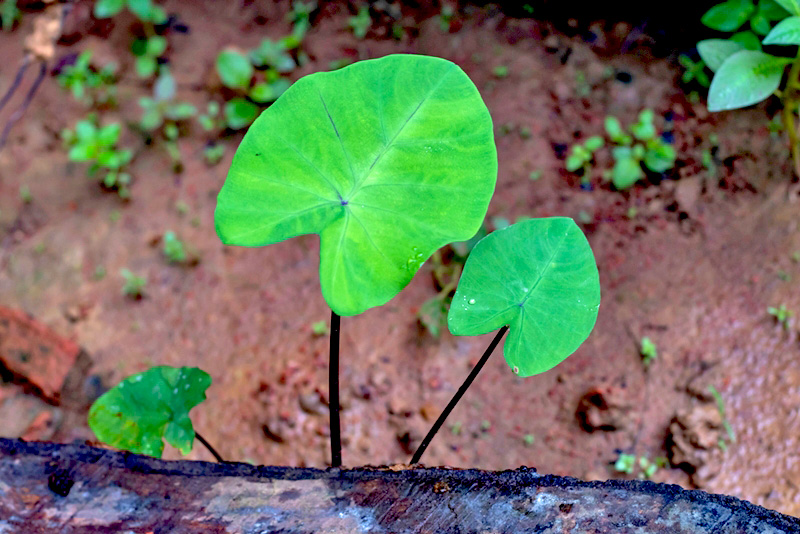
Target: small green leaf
x,y
626,172
792,6
614,129
147,407
728,16
156,46
574,162
104,9
745,78
787,32
593,143
715,51
760,24
387,160
747,39
240,113
660,158
146,66
539,277
180,111
234,69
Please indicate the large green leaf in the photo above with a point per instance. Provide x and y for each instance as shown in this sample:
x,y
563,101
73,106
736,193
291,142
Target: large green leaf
x,y
786,32
386,159
147,407
539,277
715,51
745,78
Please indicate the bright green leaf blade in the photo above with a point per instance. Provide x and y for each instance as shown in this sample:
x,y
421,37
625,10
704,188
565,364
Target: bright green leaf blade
x,y
786,32
745,78
234,69
715,51
539,277
146,407
386,159
792,6
626,172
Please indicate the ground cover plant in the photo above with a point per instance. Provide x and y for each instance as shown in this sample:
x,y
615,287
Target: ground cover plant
x,y
744,74
388,160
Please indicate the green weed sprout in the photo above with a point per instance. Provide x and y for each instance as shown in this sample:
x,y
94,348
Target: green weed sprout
x,y
174,250
145,409
627,463
133,286
385,178
163,112
725,423
641,145
781,315
580,156
10,14
97,145
360,23
146,49
87,84
648,351
743,73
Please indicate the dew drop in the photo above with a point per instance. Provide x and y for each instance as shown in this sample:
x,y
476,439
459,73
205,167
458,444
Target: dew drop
x,y
419,255
516,370
525,289
472,301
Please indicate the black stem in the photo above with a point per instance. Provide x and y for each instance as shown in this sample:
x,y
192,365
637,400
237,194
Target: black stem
x,y
333,393
17,115
208,446
457,397
16,82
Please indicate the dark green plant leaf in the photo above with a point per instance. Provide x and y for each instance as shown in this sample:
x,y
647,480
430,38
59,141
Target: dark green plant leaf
x,y
240,113
792,6
747,39
728,16
745,78
760,24
772,10
715,51
234,69
786,32
387,160
539,277
147,407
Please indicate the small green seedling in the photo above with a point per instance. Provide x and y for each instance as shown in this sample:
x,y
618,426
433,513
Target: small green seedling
x,y
648,351
627,463
147,49
725,423
87,84
361,22
320,328
174,250
695,70
97,145
781,315
133,286
145,409
25,194
796,256
743,73
580,156
163,112
528,439
500,71
446,17
213,153
641,145
10,14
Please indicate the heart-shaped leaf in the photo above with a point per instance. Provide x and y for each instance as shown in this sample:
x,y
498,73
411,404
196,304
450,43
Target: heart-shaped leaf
x,y
745,78
539,277
145,408
387,160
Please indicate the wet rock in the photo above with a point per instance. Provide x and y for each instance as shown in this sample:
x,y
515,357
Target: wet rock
x,y
605,408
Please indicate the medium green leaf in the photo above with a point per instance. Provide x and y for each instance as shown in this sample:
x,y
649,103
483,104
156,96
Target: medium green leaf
x,y
104,9
748,39
234,69
786,32
772,10
240,113
745,78
539,277
660,158
728,16
715,51
146,407
386,160
792,6
626,172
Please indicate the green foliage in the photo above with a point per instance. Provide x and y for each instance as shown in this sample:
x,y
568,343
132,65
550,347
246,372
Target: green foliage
x,y
517,276
174,250
87,84
648,351
726,424
695,70
581,155
643,146
384,177
781,315
145,10
234,69
147,51
500,71
147,408
446,17
320,328
361,22
9,13
133,286
162,108
96,145
627,463
213,153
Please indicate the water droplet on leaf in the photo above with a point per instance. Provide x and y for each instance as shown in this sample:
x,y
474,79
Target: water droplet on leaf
x,y
472,301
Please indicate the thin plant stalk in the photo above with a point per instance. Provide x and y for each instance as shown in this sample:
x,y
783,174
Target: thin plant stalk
x,y
789,101
457,397
333,393
208,446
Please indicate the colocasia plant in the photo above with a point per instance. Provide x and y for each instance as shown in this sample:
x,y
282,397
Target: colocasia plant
x,y
743,73
387,160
